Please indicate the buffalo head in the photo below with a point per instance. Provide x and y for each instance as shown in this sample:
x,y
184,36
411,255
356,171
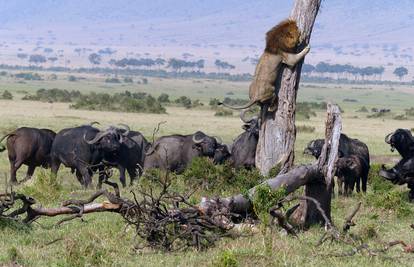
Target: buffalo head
x,y
250,125
205,144
403,141
314,148
109,140
221,154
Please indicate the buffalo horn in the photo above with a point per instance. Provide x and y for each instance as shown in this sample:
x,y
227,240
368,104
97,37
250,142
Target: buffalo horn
x,y
218,139
125,127
388,138
197,141
97,137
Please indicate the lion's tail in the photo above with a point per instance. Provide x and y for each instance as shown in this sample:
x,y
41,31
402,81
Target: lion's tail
x,y
248,105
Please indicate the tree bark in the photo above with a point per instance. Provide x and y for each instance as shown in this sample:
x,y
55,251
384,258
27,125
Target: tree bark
x,y
278,132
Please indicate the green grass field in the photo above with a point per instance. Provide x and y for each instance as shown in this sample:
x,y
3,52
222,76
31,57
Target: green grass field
x,y
103,240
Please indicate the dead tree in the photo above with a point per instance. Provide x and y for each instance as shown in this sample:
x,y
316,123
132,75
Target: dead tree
x,y
317,179
278,132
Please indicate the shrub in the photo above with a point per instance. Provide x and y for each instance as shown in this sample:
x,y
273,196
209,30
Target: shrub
x,y
362,109
72,78
184,101
128,80
6,95
41,183
377,183
213,103
124,102
264,199
53,95
164,98
410,112
112,80
3,73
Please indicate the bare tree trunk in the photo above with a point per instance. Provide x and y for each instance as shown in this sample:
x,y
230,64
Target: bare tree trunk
x,y
278,131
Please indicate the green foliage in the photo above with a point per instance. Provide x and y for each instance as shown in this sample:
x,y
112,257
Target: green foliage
x,y
363,109
305,129
6,95
112,80
72,78
164,98
377,183
385,195
128,80
213,103
223,113
53,95
264,199
29,76
45,187
204,173
124,102
226,259
274,171
184,101
3,73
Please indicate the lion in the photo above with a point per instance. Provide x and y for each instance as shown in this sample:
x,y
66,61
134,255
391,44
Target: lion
x,y
281,42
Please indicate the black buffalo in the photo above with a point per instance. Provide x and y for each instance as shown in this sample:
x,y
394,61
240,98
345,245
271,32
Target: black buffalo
x,y
130,156
349,171
82,149
175,152
403,172
347,147
243,152
222,154
28,146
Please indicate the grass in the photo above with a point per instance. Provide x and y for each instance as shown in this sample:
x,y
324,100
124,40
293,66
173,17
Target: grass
x,y
102,240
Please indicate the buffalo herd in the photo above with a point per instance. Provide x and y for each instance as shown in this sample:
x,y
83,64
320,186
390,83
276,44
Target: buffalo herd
x,y
86,150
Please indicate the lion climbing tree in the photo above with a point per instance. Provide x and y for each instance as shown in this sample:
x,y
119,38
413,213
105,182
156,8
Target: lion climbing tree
x,y
278,132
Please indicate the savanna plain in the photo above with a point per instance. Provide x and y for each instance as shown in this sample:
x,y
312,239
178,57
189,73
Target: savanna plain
x,y
102,239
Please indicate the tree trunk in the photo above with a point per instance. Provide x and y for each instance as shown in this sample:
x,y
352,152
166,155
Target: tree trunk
x,y
278,132
317,179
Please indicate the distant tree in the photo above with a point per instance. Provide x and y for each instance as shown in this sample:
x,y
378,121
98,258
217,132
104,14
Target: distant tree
x,y
6,95
223,65
52,59
22,55
48,50
95,59
400,72
37,59
72,78
164,98
128,80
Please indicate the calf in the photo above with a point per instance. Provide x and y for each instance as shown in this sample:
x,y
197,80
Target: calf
x,y
350,170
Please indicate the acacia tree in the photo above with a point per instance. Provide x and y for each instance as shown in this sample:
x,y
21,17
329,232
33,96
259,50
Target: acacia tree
x,y
278,132
400,72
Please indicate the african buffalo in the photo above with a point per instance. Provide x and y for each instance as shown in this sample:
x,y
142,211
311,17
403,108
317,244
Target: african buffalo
x,y
349,171
403,172
347,147
83,148
28,146
243,152
222,154
175,152
130,156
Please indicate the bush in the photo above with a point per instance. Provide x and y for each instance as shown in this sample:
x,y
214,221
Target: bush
x,y
128,80
362,109
410,112
6,95
72,78
54,95
43,182
213,103
184,101
204,173
124,102
112,80
164,98
264,199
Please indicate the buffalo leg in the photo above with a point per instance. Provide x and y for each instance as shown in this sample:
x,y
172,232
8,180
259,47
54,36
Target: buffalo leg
x,y
55,164
132,175
364,179
30,171
411,193
14,166
79,177
340,182
86,177
358,184
122,177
